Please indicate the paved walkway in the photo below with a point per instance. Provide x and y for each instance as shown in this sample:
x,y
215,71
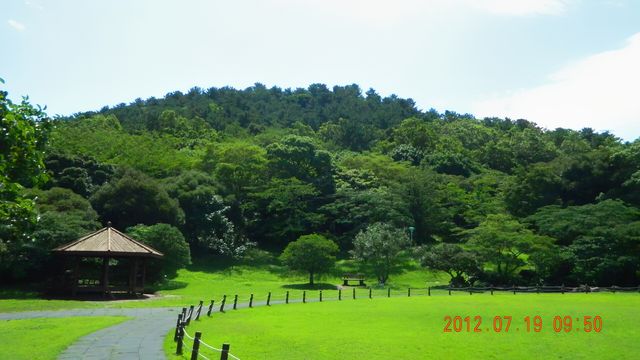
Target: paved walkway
x,y
139,338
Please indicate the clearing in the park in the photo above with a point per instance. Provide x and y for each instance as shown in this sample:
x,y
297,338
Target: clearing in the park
x,y
414,328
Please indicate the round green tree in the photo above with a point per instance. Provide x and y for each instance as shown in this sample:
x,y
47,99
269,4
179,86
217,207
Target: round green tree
x,y
313,253
169,241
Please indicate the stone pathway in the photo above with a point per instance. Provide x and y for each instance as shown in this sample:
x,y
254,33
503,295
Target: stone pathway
x,y
139,338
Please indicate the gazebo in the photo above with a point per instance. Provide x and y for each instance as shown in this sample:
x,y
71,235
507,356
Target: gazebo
x,y
104,245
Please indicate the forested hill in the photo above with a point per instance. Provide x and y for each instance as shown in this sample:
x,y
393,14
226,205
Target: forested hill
x,y
234,168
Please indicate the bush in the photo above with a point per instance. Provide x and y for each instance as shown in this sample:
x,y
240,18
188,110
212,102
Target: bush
x,y
169,241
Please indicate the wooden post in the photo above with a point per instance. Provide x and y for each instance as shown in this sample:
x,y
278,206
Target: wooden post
x,y
105,275
491,289
269,299
175,336
190,314
144,275
184,314
370,293
196,346
224,300
339,294
286,298
586,288
210,308
470,293
199,310
514,289
251,301
224,354
75,276
408,292
180,339
449,289
389,292
235,302
320,295
304,296
537,289
132,280
429,291
562,289
354,293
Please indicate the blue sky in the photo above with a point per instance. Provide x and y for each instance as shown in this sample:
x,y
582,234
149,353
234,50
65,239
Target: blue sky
x,y
560,63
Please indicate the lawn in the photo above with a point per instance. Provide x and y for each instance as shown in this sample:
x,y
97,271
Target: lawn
x,y
40,339
412,328
205,281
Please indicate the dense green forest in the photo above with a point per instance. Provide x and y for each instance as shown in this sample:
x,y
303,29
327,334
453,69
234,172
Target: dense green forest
x,y
222,171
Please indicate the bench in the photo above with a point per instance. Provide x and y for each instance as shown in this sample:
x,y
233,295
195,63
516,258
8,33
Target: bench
x,y
353,277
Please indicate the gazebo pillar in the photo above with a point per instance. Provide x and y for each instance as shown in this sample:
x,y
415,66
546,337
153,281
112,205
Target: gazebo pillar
x,y
105,275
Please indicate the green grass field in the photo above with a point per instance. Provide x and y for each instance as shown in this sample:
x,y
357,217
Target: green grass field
x,y
412,328
41,339
206,281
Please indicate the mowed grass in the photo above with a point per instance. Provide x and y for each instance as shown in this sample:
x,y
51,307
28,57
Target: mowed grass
x,y
206,281
412,328
41,339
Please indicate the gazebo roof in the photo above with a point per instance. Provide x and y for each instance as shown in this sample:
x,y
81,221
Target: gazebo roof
x,y
108,242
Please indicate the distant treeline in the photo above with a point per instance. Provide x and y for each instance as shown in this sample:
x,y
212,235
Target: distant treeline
x,y
495,201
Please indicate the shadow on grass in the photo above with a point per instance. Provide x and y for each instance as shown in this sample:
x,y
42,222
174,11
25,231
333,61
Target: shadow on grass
x,y
318,286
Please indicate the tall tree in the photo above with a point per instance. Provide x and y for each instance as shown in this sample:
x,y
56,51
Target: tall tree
x,y
379,247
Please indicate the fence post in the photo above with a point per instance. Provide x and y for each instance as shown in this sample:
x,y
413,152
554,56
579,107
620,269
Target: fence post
x,y
470,291
235,302
190,314
514,289
354,293
449,289
180,337
175,336
491,288
586,288
196,346
199,310
251,301
184,314
339,294
210,308
429,291
408,292
269,299
286,299
304,296
224,300
562,289
224,354
388,292
537,289
320,295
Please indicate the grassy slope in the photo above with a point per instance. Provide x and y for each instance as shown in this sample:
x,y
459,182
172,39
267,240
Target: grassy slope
x,y
37,339
412,328
205,282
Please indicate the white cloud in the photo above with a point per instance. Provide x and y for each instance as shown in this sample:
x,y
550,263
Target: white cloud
x,y
521,7
34,5
600,91
16,25
385,11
